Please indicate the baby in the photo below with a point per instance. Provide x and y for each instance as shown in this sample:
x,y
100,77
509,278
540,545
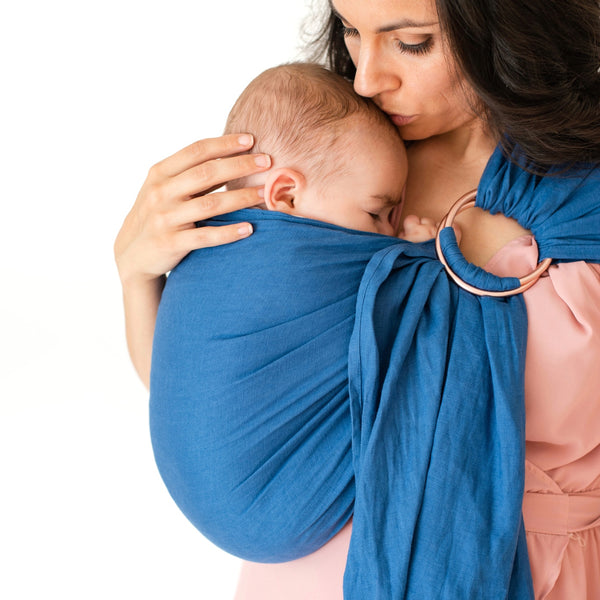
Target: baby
x,y
335,156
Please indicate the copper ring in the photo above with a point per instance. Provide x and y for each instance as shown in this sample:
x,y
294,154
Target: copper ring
x,y
465,202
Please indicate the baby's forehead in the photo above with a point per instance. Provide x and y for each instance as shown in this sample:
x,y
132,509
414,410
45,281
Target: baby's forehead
x,y
372,131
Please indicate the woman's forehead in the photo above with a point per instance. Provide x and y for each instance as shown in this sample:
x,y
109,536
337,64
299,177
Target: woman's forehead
x,y
386,15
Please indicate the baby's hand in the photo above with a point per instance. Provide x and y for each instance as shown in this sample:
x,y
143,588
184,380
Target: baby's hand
x,y
417,229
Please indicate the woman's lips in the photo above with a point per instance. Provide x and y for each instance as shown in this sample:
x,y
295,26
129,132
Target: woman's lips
x,y
400,120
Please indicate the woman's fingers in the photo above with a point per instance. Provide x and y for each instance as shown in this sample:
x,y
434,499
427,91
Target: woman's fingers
x,y
206,237
160,228
199,152
217,203
154,240
212,174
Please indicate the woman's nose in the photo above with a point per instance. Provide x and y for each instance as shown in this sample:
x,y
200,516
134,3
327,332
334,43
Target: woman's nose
x,y
373,76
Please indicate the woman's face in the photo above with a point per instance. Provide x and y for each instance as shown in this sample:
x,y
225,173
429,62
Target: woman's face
x,y
402,63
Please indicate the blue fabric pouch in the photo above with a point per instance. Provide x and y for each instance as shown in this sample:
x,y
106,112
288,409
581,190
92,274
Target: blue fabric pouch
x,y
249,408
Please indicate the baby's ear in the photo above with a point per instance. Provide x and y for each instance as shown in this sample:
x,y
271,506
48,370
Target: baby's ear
x,y
283,188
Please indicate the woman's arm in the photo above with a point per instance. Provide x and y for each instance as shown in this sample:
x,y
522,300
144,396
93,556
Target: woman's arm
x,y
140,301
160,228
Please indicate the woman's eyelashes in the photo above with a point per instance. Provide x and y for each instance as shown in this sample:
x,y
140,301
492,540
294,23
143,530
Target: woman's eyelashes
x,y
422,48
349,31
417,49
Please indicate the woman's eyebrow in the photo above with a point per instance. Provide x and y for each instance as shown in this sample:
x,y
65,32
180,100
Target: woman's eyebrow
x,y
402,24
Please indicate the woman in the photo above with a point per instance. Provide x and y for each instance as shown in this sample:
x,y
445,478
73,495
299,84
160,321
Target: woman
x,y
455,79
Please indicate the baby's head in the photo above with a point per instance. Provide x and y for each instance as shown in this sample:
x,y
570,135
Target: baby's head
x,y
335,156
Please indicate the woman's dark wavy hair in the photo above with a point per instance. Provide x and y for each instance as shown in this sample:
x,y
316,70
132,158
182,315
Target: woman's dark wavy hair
x,y
534,65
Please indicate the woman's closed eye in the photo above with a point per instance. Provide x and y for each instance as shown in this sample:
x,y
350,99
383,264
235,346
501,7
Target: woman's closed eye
x,y
349,31
422,48
416,49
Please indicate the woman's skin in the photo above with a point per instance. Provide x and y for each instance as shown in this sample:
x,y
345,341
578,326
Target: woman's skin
x,y
404,65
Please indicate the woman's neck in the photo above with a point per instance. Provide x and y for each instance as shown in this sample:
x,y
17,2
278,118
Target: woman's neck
x,y
468,145
444,167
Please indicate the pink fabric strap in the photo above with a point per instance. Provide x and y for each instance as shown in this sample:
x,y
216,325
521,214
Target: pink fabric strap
x,y
560,518
561,514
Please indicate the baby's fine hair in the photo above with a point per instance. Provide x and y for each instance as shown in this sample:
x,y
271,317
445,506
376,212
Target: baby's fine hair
x,y
296,113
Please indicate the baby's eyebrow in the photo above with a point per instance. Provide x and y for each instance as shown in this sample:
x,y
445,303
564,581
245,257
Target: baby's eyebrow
x,y
386,199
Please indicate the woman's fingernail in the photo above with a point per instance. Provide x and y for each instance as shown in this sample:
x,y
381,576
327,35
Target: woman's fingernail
x,y
262,160
245,140
245,230
261,192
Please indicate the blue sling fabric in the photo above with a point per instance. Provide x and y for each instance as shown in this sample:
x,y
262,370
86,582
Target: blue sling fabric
x,y
561,210
249,408
310,374
438,438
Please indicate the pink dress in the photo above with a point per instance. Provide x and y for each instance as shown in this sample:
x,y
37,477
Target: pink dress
x,y
561,506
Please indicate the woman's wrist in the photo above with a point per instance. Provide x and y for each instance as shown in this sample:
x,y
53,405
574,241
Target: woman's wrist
x,y
144,286
134,280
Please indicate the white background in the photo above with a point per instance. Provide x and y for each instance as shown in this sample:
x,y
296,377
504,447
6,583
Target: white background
x,y
91,95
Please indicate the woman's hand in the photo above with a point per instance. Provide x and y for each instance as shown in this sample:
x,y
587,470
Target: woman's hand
x,y
160,228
